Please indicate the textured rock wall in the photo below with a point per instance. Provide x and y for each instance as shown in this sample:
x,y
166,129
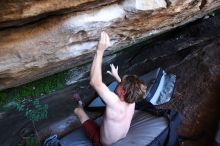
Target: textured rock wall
x,y
191,52
60,42
18,12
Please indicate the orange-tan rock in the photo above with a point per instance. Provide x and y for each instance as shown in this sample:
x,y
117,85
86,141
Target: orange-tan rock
x,y
59,42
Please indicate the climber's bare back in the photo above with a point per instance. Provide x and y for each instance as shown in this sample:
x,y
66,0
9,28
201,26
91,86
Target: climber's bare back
x,y
116,122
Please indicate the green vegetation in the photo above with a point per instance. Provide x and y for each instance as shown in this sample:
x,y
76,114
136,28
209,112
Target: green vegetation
x,y
25,99
34,111
30,141
33,89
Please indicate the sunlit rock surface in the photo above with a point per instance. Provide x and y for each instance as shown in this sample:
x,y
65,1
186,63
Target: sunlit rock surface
x,y
53,44
146,5
18,12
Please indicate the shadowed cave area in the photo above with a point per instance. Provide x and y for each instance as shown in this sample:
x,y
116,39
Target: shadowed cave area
x,y
191,52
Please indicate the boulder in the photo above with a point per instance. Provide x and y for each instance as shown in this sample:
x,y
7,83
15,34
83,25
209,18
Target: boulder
x,y
61,42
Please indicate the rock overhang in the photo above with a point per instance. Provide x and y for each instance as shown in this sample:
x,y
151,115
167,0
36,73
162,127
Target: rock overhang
x,y
57,43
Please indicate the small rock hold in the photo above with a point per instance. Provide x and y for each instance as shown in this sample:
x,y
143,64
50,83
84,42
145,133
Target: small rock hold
x,y
206,17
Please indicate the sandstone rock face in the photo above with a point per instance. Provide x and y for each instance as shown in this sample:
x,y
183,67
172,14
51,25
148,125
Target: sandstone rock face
x,y
56,43
18,12
146,5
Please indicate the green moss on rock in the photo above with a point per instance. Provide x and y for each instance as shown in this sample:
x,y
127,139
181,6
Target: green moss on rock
x,y
33,89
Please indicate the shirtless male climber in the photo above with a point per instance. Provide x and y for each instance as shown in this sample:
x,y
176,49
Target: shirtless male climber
x,y
120,105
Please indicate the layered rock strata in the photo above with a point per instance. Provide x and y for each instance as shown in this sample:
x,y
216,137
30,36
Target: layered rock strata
x,y
60,42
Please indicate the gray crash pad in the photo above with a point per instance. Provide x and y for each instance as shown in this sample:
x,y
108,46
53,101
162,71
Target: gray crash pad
x,y
144,129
